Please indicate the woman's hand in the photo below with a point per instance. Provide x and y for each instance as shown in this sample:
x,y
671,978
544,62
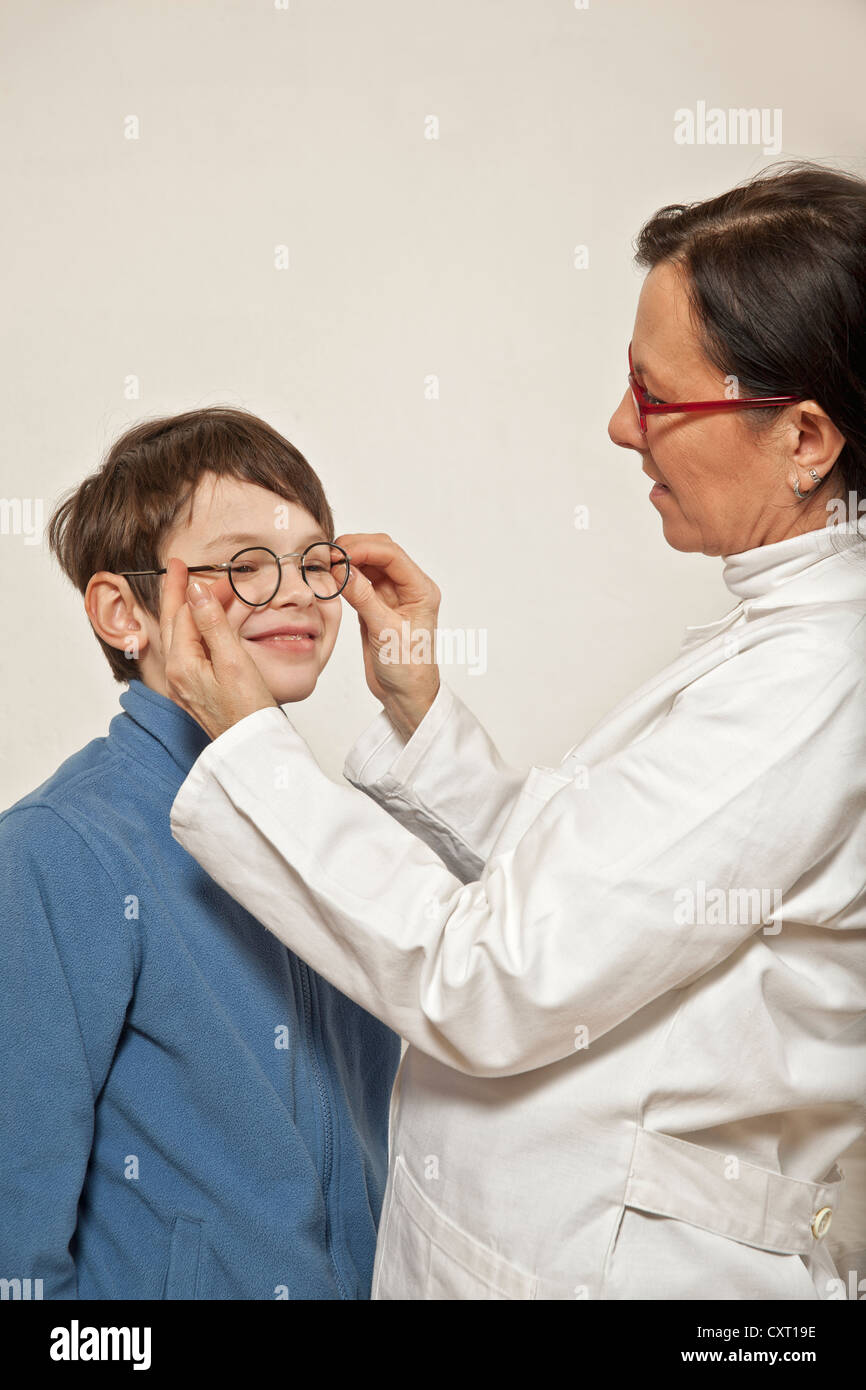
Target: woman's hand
x,y
397,604
207,671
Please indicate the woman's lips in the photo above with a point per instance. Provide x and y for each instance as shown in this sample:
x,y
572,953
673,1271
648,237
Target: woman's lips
x,y
659,489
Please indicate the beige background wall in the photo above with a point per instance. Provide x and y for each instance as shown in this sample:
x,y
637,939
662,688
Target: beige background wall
x,y
305,126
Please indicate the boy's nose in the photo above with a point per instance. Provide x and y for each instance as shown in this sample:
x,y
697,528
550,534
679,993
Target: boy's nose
x,y
293,585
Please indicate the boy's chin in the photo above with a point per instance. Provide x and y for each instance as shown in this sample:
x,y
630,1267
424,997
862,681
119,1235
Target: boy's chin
x,y
288,679
291,689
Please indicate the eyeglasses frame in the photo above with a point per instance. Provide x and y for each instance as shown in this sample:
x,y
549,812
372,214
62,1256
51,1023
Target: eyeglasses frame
x,y
226,565
645,407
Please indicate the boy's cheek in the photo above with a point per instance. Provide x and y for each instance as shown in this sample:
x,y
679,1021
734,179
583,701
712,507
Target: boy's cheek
x,y
330,636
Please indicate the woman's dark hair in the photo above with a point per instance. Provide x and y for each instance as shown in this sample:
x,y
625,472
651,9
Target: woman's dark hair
x,y
776,277
118,517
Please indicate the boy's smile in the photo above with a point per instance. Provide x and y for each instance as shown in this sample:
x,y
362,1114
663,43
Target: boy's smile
x,y
290,639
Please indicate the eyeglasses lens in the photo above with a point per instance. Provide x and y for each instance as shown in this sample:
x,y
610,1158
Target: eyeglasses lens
x,y
326,569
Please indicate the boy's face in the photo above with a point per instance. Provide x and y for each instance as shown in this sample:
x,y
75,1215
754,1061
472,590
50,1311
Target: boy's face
x,y
251,515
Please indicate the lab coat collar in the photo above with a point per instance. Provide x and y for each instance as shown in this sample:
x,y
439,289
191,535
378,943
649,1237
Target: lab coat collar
x,y
828,563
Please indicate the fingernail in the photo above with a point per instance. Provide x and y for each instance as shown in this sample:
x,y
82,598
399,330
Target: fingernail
x,y
197,593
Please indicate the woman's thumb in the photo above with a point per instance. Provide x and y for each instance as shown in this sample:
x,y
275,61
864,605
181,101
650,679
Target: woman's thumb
x,y
210,619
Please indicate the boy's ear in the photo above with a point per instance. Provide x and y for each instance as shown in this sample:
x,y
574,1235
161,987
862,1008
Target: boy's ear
x,y
115,614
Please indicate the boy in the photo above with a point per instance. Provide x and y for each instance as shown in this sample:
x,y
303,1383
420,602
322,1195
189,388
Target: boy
x,y
190,1111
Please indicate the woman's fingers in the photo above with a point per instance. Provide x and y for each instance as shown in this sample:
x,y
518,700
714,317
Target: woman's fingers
x,y
372,607
188,664
378,551
210,623
207,670
173,599
395,601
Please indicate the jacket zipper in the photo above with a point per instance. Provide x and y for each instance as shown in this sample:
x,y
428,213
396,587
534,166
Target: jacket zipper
x,y
327,1159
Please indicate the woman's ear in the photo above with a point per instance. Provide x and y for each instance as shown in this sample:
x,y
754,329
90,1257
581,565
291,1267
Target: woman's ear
x,y
815,441
115,615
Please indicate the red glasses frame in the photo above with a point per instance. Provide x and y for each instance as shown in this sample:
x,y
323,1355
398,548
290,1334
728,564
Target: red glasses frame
x,y
645,407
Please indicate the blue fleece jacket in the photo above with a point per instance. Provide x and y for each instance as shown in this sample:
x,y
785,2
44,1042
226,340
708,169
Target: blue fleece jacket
x,y
188,1111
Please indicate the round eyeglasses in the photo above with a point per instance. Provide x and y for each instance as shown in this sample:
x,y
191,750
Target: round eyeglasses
x,y
255,573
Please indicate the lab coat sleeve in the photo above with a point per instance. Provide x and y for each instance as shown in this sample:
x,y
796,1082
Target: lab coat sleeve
x,y
596,911
66,977
459,817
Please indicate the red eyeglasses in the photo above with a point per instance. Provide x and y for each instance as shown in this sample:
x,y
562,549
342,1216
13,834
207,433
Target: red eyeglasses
x,y
644,406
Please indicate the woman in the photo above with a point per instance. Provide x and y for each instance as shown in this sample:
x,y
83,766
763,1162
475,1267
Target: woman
x,y
633,986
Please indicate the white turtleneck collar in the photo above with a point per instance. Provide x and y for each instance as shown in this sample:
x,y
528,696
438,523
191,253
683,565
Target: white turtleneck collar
x,y
753,573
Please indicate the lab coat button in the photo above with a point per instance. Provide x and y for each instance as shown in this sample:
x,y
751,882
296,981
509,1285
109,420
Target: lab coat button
x,y
821,1222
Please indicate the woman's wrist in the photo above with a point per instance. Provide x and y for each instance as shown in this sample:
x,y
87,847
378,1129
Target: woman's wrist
x,y
406,711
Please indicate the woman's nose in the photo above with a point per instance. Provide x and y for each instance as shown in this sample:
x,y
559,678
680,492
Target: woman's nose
x,y
623,428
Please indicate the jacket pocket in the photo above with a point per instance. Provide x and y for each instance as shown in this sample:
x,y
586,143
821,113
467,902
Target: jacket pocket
x,y
181,1275
424,1255
696,1223
539,787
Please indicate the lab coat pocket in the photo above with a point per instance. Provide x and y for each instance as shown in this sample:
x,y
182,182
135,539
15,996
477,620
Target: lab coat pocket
x,y
540,785
699,1224
424,1255
181,1275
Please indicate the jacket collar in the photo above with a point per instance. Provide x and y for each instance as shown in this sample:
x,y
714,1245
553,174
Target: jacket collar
x,y
156,730
826,564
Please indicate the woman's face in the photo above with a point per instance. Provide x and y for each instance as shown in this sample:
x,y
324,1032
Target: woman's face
x,y
225,506
729,487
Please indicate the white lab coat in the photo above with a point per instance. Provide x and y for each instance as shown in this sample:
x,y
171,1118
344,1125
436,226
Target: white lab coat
x,y
633,986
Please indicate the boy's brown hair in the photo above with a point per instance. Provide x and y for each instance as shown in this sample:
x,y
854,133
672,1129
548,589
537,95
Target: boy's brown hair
x,y
117,518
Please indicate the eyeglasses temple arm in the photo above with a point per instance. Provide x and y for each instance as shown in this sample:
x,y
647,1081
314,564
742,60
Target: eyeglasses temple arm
x,y
191,569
